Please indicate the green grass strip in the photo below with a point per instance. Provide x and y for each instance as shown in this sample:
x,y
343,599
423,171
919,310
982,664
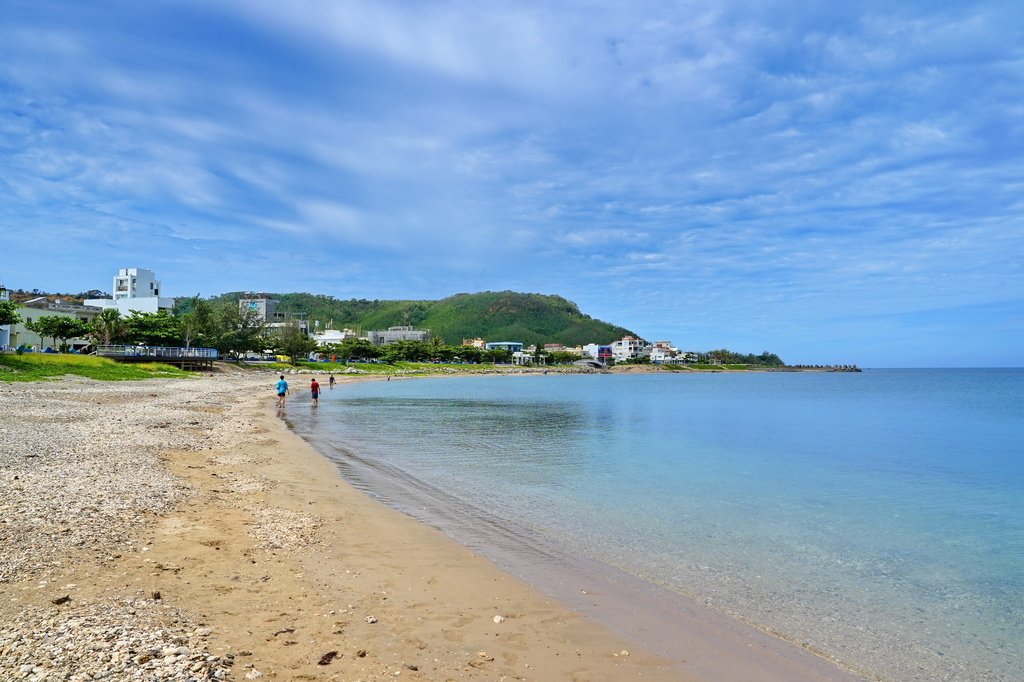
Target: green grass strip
x,y
43,366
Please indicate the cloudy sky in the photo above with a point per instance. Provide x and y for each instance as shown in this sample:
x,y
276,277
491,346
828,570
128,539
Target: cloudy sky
x,y
833,182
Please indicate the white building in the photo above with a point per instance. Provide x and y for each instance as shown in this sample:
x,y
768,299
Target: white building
x,y
628,348
600,352
31,311
5,330
332,336
664,353
395,334
523,358
135,289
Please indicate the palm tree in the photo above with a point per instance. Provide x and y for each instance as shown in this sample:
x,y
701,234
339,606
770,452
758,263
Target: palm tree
x,y
109,326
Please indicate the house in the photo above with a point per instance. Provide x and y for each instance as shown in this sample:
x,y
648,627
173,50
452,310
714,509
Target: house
x,y
475,343
662,352
135,289
32,310
395,334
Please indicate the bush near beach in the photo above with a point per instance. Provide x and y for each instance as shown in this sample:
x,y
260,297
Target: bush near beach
x,y
41,366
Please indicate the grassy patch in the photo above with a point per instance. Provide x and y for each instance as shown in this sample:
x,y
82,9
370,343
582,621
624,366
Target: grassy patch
x,y
40,366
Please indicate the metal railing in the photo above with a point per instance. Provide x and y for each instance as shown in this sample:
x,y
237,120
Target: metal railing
x,y
173,352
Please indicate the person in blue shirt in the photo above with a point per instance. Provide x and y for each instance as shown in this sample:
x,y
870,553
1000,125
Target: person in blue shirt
x,y
282,391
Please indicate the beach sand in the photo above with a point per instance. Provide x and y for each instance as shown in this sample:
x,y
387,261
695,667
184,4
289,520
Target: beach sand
x,y
176,529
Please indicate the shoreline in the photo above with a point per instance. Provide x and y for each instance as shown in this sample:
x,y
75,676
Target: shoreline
x,y
195,534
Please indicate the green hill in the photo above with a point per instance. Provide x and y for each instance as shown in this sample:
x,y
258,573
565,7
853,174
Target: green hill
x,y
491,315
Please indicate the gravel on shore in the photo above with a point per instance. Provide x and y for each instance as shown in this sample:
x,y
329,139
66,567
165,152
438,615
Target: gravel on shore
x,y
81,480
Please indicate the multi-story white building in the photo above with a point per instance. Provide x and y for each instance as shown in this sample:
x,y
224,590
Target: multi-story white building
x,y
135,289
628,348
662,352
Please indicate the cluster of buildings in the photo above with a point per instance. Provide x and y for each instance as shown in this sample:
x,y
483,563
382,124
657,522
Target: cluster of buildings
x,y
266,312
138,290
625,349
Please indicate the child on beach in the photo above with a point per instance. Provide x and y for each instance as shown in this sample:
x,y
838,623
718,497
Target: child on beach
x,y
282,391
330,381
314,389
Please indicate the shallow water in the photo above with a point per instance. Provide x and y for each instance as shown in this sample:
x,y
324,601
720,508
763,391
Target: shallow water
x,y
877,517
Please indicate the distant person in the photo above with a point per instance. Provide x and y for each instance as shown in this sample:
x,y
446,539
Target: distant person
x,y
282,392
314,389
330,381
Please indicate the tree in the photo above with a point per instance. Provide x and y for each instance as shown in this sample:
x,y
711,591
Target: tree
x,y
355,348
561,357
9,313
61,327
499,356
153,329
470,354
108,327
293,342
199,324
235,330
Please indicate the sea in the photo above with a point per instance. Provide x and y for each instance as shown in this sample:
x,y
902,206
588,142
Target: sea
x,y
876,518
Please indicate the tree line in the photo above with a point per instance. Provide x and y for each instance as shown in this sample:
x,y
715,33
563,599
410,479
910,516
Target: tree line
x,y
433,350
194,323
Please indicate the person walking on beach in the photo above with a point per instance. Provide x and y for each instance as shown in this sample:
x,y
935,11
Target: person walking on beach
x,y
330,381
282,391
314,389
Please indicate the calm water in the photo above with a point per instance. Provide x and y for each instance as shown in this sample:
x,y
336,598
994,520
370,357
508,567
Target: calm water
x,y
878,517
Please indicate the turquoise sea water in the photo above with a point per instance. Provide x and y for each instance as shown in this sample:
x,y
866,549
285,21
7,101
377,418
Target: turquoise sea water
x,y
877,517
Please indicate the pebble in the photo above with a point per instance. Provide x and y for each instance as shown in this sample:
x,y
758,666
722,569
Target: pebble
x,y
91,488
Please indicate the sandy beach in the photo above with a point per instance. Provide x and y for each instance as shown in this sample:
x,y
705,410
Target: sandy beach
x,y
177,530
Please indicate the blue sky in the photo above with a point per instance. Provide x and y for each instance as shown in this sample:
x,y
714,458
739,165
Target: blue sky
x,y
833,182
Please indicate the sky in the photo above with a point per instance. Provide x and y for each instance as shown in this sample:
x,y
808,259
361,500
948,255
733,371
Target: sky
x,y
832,182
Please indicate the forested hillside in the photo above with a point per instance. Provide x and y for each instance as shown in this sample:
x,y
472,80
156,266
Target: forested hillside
x,y
492,315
